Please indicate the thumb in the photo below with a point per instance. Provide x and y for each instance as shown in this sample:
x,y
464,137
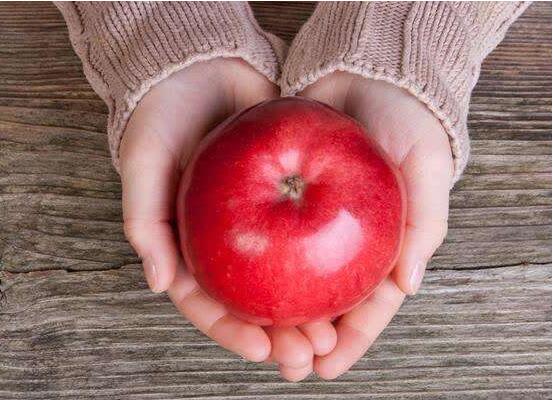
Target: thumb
x,y
427,172
149,177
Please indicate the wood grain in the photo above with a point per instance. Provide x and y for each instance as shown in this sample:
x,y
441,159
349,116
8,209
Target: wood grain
x,y
76,319
481,334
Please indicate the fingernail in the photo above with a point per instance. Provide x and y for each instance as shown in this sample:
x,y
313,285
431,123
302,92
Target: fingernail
x,y
150,271
415,278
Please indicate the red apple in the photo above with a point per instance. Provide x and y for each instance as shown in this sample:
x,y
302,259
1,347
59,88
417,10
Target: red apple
x,y
288,212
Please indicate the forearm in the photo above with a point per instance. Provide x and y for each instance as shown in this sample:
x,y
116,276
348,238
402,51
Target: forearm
x,y
432,49
128,47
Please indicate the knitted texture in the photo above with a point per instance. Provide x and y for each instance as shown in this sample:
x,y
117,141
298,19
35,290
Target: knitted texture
x,y
127,47
432,49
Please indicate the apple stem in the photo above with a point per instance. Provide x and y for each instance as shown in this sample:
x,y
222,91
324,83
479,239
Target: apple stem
x,y
292,187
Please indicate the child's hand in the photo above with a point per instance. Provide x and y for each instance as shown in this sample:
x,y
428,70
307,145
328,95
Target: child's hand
x,y
163,131
417,143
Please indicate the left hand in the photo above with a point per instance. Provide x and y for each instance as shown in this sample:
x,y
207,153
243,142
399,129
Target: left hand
x,y
162,133
416,142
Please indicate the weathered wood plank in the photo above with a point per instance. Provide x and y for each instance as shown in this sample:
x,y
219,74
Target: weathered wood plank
x,y
467,331
510,147
499,198
91,238
500,216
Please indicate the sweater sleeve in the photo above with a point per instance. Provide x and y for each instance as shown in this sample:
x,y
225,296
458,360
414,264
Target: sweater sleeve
x,y
431,49
127,47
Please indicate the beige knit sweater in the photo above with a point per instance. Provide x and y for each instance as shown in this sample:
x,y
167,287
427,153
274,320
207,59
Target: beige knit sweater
x,y
432,49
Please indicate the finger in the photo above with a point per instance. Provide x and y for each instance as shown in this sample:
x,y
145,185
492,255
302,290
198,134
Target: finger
x,y
290,347
247,340
359,328
296,374
427,172
149,178
322,336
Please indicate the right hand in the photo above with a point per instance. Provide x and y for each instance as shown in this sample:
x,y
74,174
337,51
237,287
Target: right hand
x,y
161,135
414,139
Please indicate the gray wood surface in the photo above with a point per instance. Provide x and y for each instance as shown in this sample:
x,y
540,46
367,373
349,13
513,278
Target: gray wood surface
x,y
76,318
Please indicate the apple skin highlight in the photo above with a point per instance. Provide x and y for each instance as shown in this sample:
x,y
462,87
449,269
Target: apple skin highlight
x,y
289,212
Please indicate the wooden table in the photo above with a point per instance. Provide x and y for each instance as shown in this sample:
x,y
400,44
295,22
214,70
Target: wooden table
x,y
76,318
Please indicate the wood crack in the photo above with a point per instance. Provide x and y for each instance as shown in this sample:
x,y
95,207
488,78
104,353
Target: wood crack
x,y
488,267
126,264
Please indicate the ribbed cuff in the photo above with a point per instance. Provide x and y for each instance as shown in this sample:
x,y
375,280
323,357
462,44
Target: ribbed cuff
x,y
431,49
127,47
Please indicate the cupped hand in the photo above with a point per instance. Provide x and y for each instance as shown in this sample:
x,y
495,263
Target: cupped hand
x,y
417,143
162,133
